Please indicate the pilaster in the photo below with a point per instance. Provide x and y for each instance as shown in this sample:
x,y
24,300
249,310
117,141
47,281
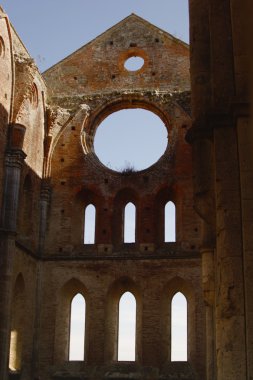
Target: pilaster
x,y
14,160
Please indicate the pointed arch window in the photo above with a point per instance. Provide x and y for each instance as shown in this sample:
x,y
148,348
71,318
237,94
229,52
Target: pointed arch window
x,y
127,328
89,224
77,328
179,328
129,223
170,222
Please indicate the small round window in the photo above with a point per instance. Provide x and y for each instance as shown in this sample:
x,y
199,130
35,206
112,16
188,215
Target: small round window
x,y
134,63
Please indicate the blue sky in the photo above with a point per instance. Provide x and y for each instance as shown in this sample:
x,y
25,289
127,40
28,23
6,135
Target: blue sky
x,y
52,29
125,124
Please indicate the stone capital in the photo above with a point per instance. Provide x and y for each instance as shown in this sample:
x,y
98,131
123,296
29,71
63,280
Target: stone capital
x,y
14,158
45,191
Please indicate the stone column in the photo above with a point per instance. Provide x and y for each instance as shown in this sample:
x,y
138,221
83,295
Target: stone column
x,y
13,164
44,205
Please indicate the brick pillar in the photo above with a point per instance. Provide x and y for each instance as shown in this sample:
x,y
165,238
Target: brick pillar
x,y
208,283
230,292
13,164
201,138
245,149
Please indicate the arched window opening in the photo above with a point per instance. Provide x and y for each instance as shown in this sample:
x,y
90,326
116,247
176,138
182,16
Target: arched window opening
x,y
170,222
129,223
89,224
77,328
17,325
179,328
127,327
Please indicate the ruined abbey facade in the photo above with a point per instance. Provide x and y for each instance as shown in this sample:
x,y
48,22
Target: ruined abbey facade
x,y
50,174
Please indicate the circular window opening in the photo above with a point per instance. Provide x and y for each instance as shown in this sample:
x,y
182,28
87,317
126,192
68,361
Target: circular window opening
x,y
130,140
134,63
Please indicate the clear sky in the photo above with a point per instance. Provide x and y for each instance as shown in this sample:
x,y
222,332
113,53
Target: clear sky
x,y
135,125
53,29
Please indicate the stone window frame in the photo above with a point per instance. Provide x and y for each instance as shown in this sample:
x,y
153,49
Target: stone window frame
x,y
133,52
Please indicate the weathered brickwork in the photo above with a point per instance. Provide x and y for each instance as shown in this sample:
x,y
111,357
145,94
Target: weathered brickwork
x,y
161,53
50,173
6,73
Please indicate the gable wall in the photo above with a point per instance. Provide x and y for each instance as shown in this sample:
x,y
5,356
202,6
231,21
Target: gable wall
x,y
99,66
